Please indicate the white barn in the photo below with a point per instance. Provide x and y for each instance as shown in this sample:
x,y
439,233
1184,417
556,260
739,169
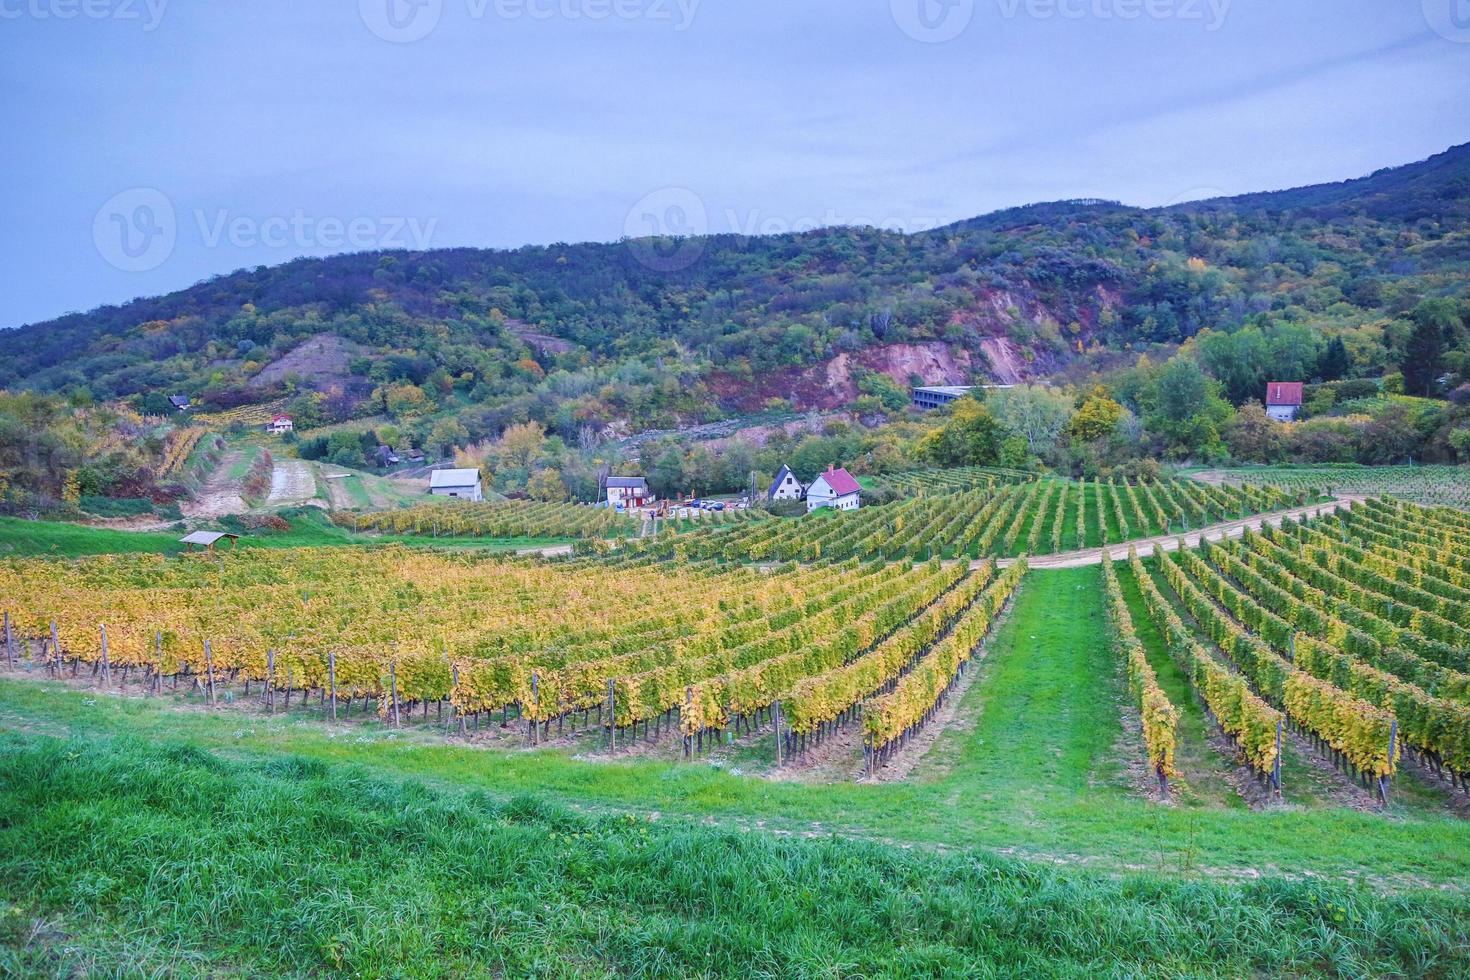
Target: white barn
x,y
464,484
786,486
835,488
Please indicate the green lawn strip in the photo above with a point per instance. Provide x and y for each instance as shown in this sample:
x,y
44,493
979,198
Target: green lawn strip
x,y
1045,699
1204,769
21,538
1035,776
164,859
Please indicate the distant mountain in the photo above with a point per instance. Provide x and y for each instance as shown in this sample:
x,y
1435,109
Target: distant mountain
x,y
656,334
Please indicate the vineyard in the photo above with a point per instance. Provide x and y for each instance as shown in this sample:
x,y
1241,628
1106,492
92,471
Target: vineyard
x,y
518,518
624,645
949,480
177,450
495,519
1431,486
1032,518
250,416
1351,632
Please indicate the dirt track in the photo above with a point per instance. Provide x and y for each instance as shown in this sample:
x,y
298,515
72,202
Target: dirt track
x,y
292,482
1170,542
219,496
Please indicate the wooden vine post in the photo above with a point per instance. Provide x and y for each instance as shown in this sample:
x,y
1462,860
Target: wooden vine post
x,y
455,713
776,716
56,647
1276,765
157,686
535,708
612,717
332,680
106,664
393,680
9,642
209,672
1393,735
270,682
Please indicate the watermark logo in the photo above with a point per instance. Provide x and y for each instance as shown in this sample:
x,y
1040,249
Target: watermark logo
x,y
136,231
1450,19
1210,13
663,229
401,21
139,229
406,21
932,21
148,13
303,232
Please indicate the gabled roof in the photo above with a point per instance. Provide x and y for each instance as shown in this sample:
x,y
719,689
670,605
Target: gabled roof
x,y
781,475
280,418
841,482
1284,393
205,537
179,401
628,482
444,479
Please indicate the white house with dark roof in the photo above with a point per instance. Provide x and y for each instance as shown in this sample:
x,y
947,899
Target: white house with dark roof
x,y
464,484
786,486
628,491
835,488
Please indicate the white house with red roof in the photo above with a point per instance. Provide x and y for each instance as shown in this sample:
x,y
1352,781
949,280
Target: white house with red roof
x,y
280,423
834,488
1284,400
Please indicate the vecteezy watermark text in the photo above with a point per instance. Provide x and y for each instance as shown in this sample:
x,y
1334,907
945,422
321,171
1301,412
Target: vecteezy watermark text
x,y
147,12
138,230
936,21
405,21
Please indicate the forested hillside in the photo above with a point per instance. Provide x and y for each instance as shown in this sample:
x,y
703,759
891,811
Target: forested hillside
x,y
601,334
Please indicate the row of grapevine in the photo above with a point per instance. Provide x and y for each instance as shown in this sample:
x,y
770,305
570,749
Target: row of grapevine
x,y
1430,702
1160,717
1355,732
890,720
1251,724
177,449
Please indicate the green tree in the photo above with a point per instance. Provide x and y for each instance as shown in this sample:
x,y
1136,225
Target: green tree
x,y
1334,362
969,437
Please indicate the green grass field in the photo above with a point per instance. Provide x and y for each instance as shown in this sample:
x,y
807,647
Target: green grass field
x,y
310,529
164,840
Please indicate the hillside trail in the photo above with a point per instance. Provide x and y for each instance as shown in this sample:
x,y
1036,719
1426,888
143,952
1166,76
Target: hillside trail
x,y
1170,542
219,495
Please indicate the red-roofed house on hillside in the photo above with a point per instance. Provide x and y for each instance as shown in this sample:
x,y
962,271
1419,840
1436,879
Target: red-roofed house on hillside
x,y
1284,400
834,488
280,423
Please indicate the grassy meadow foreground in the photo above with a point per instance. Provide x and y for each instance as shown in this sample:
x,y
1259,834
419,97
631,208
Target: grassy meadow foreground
x,y
725,751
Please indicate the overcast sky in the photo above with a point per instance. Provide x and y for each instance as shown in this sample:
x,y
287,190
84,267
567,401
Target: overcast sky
x,y
148,144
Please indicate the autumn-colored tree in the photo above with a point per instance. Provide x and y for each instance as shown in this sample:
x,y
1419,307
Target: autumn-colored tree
x,y
1253,435
521,445
546,485
1097,417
